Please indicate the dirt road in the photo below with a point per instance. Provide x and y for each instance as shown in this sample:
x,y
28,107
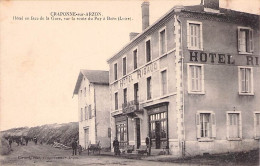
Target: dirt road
x,y
47,155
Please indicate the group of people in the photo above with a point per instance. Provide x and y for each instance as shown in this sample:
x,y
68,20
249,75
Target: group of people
x,y
23,140
148,142
19,141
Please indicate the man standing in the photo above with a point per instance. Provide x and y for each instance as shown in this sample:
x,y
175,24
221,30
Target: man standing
x,y
116,146
10,142
148,142
74,147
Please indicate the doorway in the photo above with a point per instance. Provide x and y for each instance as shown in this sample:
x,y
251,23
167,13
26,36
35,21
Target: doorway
x,y
138,136
157,135
86,137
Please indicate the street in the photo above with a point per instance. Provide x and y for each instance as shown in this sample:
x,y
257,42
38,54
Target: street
x,y
48,155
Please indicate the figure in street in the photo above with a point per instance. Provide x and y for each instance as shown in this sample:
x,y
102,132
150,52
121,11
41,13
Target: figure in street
x,y
74,147
10,142
116,146
148,142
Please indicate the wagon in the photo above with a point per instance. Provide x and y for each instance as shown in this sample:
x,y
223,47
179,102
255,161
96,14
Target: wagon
x,y
94,148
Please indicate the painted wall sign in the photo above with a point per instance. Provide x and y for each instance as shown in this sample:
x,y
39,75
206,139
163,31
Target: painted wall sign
x,y
221,58
142,72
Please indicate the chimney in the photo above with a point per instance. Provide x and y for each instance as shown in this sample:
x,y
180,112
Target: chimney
x,y
133,35
145,15
211,4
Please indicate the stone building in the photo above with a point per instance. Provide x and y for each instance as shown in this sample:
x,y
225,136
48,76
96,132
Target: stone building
x,y
190,81
92,88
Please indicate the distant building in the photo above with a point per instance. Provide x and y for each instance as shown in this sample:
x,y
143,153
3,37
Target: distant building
x,y
92,89
190,81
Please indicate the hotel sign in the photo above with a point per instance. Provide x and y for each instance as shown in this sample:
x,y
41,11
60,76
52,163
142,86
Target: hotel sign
x,y
221,58
139,73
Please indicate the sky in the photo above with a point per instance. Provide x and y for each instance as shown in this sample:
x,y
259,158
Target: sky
x,y
40,59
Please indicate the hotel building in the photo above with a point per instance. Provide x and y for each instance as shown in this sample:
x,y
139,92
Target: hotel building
x,y
190,81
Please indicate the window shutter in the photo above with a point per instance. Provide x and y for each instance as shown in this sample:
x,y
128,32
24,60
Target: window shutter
x,y
201,37
227,124
240,126
213,125
255,124
188,34
238,39
251,44
198,124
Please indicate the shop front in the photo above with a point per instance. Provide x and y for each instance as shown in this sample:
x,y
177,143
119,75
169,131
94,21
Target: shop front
x,y
158,126
122,130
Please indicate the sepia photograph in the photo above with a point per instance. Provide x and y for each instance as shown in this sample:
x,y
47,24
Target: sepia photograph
x,y
138,82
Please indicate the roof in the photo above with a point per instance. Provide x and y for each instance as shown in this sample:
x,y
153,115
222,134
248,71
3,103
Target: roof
x,y
93,76
193,9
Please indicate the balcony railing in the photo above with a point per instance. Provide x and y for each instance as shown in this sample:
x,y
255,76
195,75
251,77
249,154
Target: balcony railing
x,y
130,106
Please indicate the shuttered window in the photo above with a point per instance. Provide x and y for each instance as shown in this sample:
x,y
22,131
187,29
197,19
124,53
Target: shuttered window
x,y
116,101
164,88
194,35
162,42
115,71
90,111
149,88
124,66
245,40
196,78
206,125
245,75
148,50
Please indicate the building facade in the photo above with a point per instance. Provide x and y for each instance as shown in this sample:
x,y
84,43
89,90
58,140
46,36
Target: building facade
x,y
92,88
189,81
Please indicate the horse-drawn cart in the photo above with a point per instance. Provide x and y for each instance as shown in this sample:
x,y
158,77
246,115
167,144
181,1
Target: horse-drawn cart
x,y
94,148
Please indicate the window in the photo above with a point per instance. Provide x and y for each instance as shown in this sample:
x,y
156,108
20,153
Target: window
x,y
245,40
136,92
195,79
115,71
86,113
85,91
206,124
90,112
234,126
162,41
164,89
116,101
194,35
245,77
124,66
125,96
148,50
135,58
80,93
149,88
81,114
257,125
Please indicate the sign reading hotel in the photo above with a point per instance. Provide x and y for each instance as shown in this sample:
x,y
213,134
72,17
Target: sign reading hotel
x,y
139,73
221,58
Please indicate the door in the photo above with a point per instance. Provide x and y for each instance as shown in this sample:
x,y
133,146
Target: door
x,y
157,135
86,137
138,137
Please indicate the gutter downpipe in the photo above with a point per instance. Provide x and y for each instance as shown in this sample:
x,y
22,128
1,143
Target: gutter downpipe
x,y
182,72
